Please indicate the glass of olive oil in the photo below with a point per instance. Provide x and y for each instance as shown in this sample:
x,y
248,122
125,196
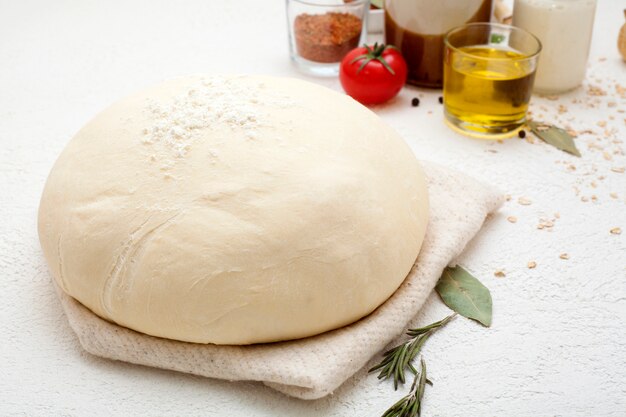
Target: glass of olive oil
x,y
489,71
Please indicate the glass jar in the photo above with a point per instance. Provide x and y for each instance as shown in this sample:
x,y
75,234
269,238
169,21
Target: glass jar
x,y
564,28
417,28
322,32
489,71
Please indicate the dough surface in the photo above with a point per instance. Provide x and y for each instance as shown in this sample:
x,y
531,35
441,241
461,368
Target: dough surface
x,y
233,210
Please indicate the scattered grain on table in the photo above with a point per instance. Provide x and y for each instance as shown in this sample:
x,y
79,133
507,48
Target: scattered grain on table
x,y
595,91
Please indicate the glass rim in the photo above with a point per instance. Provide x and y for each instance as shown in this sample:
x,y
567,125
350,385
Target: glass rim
x,y
329,3
447,43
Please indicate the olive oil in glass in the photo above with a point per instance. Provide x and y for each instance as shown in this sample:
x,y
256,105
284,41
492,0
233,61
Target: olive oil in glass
x,y
487,86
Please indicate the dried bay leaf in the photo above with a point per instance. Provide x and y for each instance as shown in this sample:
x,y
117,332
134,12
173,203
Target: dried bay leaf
x,y
554,136
465,294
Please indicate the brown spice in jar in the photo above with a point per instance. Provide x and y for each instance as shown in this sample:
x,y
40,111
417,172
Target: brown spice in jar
x,y
326,37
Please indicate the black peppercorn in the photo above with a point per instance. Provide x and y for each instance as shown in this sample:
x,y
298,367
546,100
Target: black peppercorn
x,y
415,102
440,100
521,134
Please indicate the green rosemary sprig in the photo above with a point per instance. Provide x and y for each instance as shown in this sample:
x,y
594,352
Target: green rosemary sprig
x,y
399,358
411,405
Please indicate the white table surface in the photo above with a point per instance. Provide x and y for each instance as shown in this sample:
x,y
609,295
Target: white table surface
x,y
557,346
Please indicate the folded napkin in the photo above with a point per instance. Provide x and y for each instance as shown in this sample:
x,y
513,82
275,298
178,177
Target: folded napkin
x,y
313,367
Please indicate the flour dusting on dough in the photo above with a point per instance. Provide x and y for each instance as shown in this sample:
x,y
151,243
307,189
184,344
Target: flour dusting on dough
x,y
209,102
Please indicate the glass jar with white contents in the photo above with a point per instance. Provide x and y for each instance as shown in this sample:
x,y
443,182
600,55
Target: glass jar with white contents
x,y
564,28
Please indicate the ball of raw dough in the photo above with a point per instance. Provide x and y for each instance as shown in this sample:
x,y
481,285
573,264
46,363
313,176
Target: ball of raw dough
x,y
233,210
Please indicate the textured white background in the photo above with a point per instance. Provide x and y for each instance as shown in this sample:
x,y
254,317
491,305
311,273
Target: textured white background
x,y
558,342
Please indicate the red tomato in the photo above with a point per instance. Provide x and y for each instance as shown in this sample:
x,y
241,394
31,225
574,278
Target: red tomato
x,y
373,74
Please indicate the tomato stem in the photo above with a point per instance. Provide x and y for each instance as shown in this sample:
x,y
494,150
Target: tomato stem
x,y
374,53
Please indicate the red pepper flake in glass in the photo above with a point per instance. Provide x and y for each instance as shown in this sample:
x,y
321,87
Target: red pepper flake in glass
x,y
326,37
